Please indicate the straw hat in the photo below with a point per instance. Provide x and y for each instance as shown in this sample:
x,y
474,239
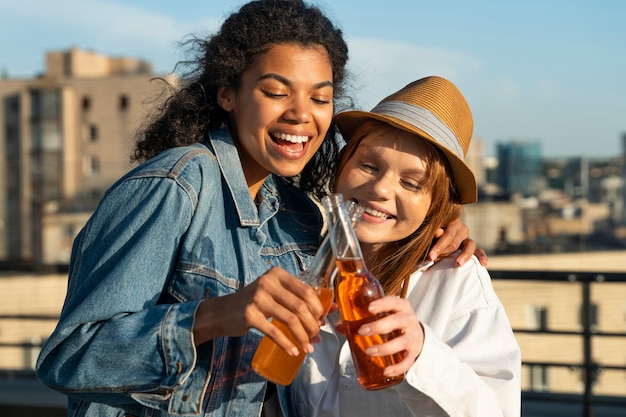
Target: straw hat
x,y
434,109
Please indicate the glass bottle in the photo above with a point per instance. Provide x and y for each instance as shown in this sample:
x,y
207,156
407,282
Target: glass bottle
x,y
356,287
270,360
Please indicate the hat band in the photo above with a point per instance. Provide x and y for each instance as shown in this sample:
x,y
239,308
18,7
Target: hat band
x,y
423,119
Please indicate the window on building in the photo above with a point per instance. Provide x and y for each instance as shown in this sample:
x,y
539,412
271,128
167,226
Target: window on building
x,y
539,378
93,133
13,105
13,195
124,102
537,317
46,104
10,134
86,103
31,351
91,166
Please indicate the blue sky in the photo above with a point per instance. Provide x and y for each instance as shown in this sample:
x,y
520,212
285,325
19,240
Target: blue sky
x,y
548,70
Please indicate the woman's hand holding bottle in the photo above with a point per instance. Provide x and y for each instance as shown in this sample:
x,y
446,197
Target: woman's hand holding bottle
x,y
399,318
276,294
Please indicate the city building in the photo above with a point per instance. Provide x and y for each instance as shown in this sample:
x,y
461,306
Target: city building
x,y
65,137
530,204
519,167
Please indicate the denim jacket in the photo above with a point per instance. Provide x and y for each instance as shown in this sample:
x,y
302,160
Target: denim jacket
x,y
177,229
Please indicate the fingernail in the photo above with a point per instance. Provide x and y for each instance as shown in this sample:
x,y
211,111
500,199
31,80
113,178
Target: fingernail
x,y
364,330
310,348
295,351
371,350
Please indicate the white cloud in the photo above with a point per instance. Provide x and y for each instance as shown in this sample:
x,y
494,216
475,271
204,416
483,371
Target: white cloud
x,y
107,27
383,66
109,20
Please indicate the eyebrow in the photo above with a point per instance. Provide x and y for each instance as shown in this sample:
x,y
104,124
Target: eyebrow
x,y
288,82
370,152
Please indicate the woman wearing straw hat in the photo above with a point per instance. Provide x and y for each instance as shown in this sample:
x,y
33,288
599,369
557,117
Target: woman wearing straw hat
x,y
404,163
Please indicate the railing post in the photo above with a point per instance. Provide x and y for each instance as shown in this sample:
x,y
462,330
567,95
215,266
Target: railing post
x,y
589,367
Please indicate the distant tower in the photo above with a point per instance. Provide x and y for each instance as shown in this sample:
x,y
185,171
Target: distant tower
x,y
519,167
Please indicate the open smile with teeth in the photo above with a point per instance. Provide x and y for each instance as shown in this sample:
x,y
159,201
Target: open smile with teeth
x,y
376,213
291,142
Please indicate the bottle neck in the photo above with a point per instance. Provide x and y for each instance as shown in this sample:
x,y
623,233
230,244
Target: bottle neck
x,y
341,220
368,251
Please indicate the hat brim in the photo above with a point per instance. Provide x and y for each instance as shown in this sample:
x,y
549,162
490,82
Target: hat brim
x,y
462,176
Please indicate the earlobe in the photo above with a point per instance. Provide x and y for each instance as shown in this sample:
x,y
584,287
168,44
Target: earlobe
x,y
225,99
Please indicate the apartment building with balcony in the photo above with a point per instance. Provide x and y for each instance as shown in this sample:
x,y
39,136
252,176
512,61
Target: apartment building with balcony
x,y
66,136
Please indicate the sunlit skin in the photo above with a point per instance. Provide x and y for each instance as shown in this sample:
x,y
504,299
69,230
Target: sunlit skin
x,y
386,174
457,233
281,112
279,117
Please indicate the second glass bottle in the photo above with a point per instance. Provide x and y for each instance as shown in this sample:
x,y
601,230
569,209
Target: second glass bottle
x,y
356,287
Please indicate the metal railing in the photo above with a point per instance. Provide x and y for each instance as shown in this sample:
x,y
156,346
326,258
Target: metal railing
x,y
589,404
589,368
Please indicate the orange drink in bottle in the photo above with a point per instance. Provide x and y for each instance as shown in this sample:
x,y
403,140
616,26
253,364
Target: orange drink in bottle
x,y
356,288
272,362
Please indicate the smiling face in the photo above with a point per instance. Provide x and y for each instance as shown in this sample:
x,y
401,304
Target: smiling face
x,y
388,174
281,112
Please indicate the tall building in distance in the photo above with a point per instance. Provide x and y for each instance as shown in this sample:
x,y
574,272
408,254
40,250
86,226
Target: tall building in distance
x,y
520,169
66,136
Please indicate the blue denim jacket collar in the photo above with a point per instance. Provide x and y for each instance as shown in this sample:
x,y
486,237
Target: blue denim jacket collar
x,y
228,157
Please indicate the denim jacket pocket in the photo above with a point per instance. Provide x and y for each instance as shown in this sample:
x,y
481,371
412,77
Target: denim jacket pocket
x,y
191,283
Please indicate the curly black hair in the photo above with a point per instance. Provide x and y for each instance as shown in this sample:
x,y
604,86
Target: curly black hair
x,y
187,114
